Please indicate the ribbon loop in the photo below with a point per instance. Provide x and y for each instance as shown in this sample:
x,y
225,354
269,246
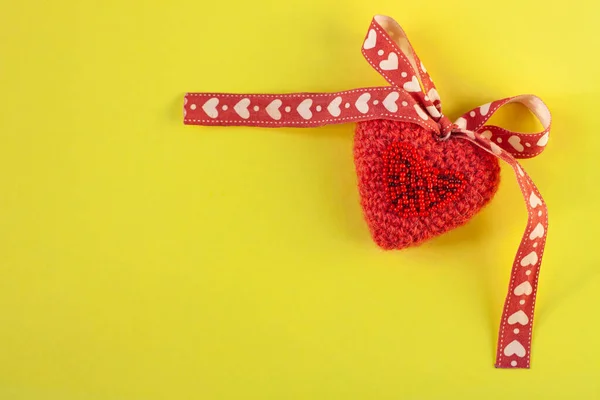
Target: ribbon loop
x,y
518,144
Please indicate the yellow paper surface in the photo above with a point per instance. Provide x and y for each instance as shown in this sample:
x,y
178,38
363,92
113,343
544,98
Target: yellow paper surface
x,y
143,259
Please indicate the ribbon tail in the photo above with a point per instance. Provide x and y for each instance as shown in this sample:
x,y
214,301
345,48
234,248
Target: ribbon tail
x,y
303,110
516,325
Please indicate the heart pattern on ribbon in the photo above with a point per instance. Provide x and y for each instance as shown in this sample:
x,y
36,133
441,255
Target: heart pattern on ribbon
x,y
420,174
389,64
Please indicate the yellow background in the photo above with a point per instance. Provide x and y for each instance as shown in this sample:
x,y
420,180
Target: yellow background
x,y
143,259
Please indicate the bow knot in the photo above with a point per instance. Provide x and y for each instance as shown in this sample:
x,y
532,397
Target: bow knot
x,y
447,127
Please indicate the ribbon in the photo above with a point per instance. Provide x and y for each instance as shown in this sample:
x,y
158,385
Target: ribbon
x,y
412,97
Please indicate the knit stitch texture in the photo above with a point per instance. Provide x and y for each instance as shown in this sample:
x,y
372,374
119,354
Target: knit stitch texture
x,y
389,230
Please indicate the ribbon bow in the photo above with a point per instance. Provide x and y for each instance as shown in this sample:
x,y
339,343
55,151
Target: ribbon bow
x,y
412,97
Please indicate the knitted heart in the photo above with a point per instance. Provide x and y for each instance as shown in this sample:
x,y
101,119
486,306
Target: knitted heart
x,y
453,179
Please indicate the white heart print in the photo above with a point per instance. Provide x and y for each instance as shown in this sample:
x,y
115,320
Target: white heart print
x,y
544,139
371,40
515,348
434,112
390,102
484,109
534,201
529,259
362,103
304,109
334,107
487,134
391,63
273,109
515,142
421,113
495,148
210,107
412,85
241,108
537,232
523,289
462,123
433,95
518,317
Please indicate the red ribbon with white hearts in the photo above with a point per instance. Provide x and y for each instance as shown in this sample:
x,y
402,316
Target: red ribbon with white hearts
x,y
412,97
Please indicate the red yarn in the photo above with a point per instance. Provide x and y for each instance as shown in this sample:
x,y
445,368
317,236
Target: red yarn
x,y
478,170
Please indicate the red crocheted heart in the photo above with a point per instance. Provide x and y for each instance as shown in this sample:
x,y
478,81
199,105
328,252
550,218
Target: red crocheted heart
x,y
414,187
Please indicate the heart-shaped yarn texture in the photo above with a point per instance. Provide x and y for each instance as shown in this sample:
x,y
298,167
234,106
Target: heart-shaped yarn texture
x,y
477,171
